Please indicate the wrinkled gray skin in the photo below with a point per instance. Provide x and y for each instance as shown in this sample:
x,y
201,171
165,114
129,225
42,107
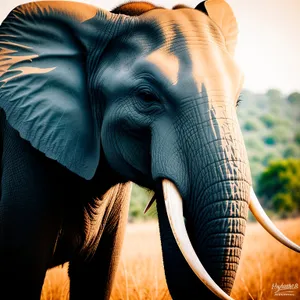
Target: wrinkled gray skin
x,y
163,96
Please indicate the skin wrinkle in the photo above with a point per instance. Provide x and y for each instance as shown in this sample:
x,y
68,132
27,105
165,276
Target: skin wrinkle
x,y
215,199
225,20
133,163
225,259
228,251
217,247
218,176
10,60
202,123
232,240
215,175
222,159
82,12
238,225
167,63
27,71
207,229
7,35
211,52
206,197
206,162
204,172
226,224
220,198
95,220
203,226
230,219
15,44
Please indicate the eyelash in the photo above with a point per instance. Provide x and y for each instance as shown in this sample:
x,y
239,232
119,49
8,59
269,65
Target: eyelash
x,y
238,102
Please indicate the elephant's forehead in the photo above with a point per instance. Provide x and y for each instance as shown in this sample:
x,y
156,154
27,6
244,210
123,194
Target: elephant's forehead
x,y
82,12
194,48
187,26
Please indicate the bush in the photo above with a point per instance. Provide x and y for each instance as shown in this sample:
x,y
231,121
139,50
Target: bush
x,y
253,144
256,170
279,135
280,186
274,95
282,135
294,98
250,126
268,120
284,204
271,156
255,158
292,151
297,138
270,140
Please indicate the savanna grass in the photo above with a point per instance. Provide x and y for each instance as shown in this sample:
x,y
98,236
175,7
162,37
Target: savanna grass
x,y
140,274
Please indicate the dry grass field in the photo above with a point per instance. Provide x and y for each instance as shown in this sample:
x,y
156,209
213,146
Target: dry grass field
x,y
140,275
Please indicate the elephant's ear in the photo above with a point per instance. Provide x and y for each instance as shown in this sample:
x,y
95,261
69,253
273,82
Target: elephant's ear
x,y
43,82
221,13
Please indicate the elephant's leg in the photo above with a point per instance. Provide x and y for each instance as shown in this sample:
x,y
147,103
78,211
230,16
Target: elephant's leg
x,y
92,278
29,217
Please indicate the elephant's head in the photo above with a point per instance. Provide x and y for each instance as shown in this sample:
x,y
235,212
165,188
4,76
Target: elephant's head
x,y
157,92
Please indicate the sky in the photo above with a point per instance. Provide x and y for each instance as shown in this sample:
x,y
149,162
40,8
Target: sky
x,y
268,48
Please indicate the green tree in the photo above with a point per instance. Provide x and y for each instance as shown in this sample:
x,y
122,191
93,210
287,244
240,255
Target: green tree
x,y
269,157
297,138
270,140
250,126
253,144
294,98
292,151
268,120
282,134
279,186
274,95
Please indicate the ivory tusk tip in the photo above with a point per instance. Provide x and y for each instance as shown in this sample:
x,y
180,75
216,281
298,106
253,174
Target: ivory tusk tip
x,y
149,204
267,224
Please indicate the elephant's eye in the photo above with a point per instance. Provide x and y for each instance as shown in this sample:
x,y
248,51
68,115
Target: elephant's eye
x,y
148,97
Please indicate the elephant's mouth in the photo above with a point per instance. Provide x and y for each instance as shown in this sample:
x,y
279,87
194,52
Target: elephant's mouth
x,y
174,209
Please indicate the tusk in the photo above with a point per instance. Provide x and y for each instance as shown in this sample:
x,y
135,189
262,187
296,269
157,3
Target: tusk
x,y
267,224
173,202
149,204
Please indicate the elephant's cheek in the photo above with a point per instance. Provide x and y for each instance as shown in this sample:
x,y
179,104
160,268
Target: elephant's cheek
x,y
126,154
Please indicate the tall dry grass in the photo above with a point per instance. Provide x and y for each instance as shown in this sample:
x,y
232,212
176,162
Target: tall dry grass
x,y
140,274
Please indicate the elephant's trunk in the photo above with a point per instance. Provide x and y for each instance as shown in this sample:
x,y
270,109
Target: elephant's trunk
x,y
174,210
219,229
215,196
216,226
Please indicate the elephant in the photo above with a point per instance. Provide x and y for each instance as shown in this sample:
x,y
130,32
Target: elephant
x,y
93,100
